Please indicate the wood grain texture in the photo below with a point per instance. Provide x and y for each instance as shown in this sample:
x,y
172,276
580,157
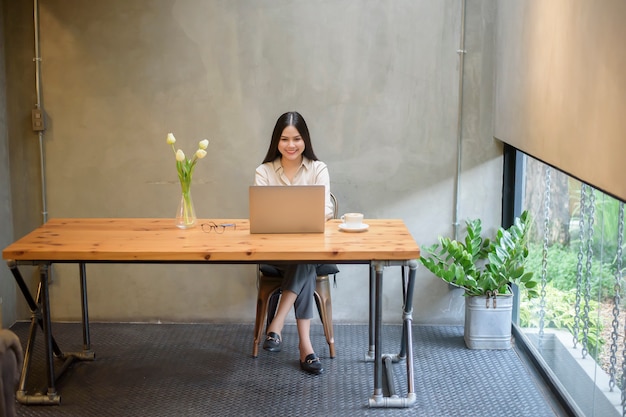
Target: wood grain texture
x,y
159,240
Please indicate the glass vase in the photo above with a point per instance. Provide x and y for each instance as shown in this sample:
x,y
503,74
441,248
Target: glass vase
x,y
186,214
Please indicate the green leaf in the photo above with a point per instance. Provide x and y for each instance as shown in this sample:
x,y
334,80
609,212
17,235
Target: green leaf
x,y
516,273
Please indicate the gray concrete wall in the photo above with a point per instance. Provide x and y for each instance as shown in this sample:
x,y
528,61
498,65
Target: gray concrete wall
x,y
560,86
377,82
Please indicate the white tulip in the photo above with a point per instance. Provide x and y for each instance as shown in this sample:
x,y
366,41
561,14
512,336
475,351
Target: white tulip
x,y
180,155
170,138
200,153
203,144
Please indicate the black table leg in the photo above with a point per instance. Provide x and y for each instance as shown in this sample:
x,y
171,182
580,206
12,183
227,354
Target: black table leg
x,y
85,310
40,317
52,395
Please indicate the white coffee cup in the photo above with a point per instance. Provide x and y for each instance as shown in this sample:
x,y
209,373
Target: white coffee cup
x,y
353,220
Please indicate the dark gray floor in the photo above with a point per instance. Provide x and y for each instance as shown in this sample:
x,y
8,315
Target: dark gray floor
x,y
207,369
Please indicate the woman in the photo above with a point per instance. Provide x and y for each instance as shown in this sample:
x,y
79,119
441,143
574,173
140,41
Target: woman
x,y
290,160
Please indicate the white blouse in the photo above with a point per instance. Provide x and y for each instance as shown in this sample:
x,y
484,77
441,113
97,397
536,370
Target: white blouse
x,y
309,173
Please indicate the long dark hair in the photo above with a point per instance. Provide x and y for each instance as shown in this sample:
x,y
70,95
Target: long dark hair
x,y
295,119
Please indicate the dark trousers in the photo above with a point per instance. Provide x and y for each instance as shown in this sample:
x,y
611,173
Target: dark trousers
x,y
300,279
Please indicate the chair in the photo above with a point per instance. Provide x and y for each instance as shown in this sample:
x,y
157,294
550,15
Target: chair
x,y
11,360
269,282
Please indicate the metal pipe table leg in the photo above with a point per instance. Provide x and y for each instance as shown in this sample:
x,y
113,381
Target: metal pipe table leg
x,y
369,356
402,354
378,327
378,399
84,307
408,329
34,304
38,318
87,354
40,311
52,396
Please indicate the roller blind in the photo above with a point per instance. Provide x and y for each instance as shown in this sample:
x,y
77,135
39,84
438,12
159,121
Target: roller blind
x,y
561,86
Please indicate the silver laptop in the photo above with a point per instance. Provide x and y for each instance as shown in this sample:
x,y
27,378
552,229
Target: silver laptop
x,y
287,209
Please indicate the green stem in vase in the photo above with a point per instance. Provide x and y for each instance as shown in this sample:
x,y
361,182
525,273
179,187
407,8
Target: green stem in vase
x,y
188,211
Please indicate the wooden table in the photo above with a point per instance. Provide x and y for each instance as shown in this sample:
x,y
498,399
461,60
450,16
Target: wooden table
x,y
81,241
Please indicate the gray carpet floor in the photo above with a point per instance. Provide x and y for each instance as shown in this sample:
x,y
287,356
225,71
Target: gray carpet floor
x,y
207,370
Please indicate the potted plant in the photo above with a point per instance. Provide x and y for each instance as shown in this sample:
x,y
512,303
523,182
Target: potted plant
x,y
485,269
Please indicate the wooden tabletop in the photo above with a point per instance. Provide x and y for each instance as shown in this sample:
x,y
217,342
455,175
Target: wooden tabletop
x,y
159,240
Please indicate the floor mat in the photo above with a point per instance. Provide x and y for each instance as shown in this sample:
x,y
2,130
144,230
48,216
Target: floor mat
x,y
207,369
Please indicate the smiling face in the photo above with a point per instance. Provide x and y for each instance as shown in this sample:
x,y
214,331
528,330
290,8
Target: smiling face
x,y
291,145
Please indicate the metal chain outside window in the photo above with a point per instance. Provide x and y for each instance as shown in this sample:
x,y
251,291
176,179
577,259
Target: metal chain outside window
x,y
587,294
544,260
579,268
620,271
616,299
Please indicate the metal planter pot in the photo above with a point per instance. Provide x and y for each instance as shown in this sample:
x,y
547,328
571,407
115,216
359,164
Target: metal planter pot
x,y
488,321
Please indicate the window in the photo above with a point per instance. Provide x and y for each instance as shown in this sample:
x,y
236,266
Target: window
x,y
577,246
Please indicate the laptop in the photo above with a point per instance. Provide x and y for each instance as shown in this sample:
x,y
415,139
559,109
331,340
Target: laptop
x,y
287,209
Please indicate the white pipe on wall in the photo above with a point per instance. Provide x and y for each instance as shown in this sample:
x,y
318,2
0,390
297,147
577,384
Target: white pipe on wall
x,y
38,106
459,127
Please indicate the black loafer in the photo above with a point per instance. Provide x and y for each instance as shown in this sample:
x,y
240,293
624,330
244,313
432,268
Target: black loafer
x,y
312,364
272,342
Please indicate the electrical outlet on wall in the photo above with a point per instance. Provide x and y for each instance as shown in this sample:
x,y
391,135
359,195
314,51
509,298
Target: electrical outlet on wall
x,y
38,120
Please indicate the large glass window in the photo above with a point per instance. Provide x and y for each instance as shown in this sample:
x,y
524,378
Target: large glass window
x,y
577,326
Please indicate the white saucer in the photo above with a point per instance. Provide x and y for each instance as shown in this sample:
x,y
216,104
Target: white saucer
x,y
345,228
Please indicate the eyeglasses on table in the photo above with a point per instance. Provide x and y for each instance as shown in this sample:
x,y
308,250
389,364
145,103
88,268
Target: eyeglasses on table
x,y
217,228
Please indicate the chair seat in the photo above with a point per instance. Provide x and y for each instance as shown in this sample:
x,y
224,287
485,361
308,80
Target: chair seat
x,y
321,269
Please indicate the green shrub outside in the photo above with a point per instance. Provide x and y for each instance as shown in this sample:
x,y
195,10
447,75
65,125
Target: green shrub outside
x,y
560,298
559,313
562,270
605,227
